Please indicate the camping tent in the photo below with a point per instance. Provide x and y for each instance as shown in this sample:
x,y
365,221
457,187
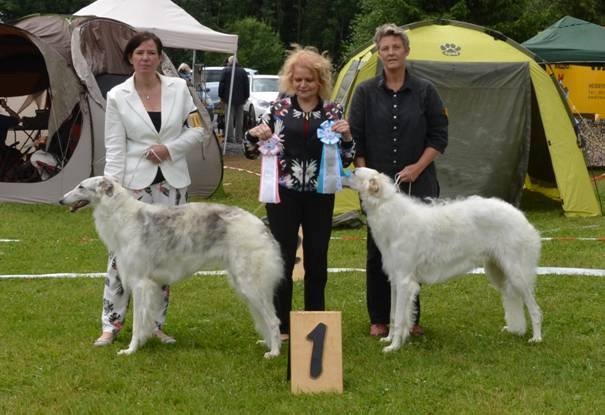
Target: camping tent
x,y
508,121
49,48
169,22
30,66
574,50
569,40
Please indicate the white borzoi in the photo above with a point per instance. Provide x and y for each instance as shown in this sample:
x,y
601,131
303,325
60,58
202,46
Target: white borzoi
x,y
430,243
158,245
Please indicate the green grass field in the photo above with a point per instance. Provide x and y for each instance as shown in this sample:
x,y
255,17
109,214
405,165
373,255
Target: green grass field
x,y
464,363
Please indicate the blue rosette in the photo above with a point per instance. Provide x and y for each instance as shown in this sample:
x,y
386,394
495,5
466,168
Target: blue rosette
x,y
330,168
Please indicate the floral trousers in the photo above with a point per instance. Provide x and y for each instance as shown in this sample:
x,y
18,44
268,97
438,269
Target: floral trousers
x,y
116,296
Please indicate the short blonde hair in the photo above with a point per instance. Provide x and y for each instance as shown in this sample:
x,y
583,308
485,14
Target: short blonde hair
x,y
308,57
391,29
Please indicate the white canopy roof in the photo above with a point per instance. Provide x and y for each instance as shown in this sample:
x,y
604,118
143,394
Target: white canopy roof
x,y
172,24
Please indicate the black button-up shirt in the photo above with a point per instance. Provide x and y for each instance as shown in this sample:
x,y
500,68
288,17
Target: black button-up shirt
x,y
393,128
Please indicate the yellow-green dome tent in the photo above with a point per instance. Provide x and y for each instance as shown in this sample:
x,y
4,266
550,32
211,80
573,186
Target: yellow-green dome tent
x,y
509,124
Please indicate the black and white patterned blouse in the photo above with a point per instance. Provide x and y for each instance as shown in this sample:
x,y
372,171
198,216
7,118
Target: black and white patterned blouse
x,y
301,155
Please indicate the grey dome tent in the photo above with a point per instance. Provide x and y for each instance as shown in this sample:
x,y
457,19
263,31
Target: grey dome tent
x,y
77,60
30,66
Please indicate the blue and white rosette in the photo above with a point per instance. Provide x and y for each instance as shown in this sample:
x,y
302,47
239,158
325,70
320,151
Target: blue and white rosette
x,y
330,168
269,188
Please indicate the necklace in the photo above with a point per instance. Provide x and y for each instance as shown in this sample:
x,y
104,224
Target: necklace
x,y
147,93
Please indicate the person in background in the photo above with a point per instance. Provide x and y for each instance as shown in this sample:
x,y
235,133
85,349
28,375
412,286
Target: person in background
x,y
186,73
151,123
299,119
400,126
239,96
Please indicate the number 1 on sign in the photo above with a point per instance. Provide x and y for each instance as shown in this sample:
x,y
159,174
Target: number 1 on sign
x,y
318,337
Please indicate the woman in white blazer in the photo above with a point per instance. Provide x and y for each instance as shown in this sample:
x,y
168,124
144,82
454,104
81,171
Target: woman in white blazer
x,y
151,123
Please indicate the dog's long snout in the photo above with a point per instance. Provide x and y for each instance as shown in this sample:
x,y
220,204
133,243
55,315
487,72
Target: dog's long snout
x,y
63,200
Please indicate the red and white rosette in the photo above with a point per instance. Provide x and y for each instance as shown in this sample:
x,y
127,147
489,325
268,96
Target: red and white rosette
x,y
269,188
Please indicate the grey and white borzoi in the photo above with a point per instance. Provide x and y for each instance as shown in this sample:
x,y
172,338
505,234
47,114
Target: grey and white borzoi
x,y
430,243
158,245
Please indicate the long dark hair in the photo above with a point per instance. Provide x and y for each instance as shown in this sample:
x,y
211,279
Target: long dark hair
x,y
136,41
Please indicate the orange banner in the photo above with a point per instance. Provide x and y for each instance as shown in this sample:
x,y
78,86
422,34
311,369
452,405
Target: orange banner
x,y
584,87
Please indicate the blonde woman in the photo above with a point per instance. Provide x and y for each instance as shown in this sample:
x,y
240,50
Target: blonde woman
x,y
298,119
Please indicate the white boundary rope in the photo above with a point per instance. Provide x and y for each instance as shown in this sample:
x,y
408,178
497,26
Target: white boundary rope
x,y
356,238
553,238
239,169
585,272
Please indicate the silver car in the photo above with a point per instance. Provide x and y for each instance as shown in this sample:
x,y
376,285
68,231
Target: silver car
x,y
263,90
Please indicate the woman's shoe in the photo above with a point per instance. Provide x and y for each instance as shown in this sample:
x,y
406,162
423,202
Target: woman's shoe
x,y
417,331
379,330
105,340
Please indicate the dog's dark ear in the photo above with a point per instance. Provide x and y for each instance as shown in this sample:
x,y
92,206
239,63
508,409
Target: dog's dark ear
x,y
374,186
106,187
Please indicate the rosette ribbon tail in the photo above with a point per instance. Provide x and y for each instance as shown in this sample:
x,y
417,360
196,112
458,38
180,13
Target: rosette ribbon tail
x,y
330,168
269,187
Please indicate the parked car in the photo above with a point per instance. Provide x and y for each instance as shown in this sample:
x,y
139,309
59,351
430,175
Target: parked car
x,y
263,90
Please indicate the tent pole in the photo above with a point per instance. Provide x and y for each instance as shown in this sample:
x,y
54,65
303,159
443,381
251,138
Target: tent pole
x,y
228,113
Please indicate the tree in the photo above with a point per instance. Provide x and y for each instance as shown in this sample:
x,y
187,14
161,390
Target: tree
x,y
373,13
318,23
14,9
259,46
326,25
517,19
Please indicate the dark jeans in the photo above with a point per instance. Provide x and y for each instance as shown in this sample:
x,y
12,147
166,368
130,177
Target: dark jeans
x,y
314,212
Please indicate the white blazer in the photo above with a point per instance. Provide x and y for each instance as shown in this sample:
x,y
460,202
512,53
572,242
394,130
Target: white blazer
x,y
129,132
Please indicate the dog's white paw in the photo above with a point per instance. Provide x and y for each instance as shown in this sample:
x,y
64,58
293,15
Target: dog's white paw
x,y
126,352
518,332
387,339
390,348
535,339
271,354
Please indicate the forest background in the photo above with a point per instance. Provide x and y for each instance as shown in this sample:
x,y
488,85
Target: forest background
x,y
267,28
